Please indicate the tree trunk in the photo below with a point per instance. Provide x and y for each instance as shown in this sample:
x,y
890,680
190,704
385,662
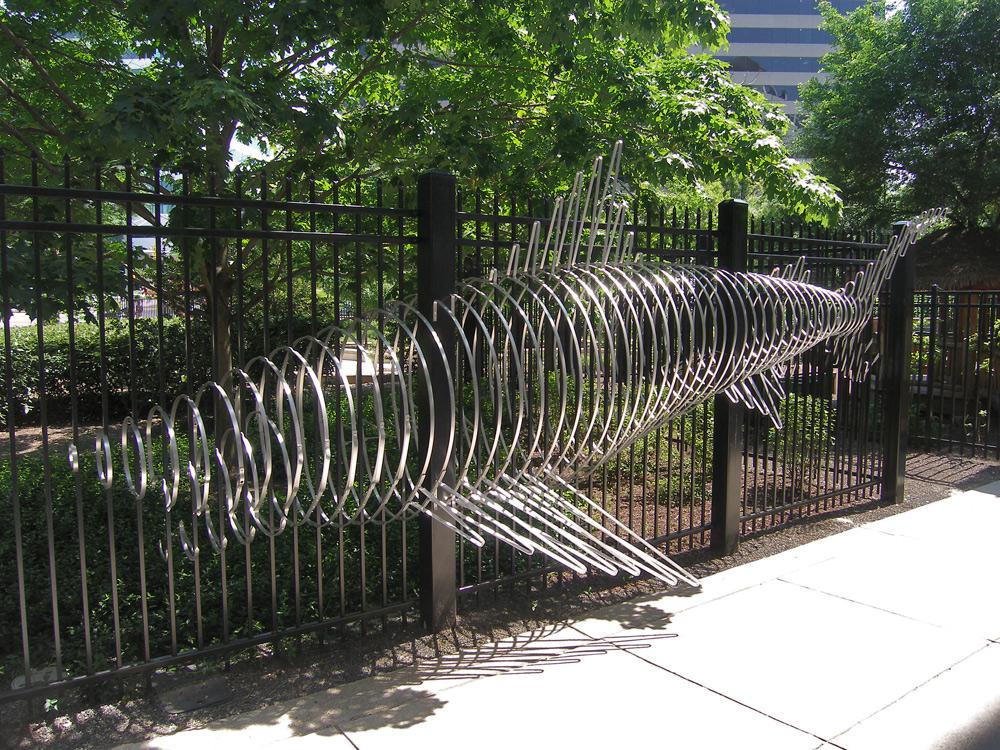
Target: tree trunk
x,y
218,294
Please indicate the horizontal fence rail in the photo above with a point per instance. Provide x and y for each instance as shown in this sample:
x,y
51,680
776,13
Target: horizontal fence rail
x,y
125,287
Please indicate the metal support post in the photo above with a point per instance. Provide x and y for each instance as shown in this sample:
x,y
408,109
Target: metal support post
x,y
897,341
727,489
436,270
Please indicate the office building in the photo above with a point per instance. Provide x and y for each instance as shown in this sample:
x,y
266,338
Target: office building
x,y
775,45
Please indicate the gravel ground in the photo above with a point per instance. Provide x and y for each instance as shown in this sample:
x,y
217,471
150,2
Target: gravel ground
x,y
133,711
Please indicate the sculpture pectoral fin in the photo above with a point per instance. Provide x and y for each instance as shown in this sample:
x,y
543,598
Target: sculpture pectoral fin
x,y
854,354
762,392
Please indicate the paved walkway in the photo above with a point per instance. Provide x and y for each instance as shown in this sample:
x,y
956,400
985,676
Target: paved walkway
x,y
882,637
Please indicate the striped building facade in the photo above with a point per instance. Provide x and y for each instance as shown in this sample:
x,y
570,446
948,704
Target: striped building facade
x,y
775,45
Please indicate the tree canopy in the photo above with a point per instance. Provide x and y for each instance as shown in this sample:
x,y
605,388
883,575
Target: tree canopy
x,y
908,117
510,93
514,95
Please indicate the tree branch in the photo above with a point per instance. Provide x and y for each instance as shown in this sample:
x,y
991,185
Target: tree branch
x,y
226,134
217,46
56,88
375,60
35,114
96,64
137,208
294,61
166,295
23,139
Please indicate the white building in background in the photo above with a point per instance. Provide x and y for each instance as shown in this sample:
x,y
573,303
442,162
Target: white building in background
x,y
775,45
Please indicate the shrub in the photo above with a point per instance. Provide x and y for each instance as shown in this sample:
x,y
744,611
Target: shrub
x,y
140,381
683,451
80,511
808,427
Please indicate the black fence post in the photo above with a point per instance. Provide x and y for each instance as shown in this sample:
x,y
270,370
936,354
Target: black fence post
x,y
727,490
897,338
436,268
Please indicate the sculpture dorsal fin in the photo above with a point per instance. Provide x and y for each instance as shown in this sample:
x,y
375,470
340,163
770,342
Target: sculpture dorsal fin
x,y
796,271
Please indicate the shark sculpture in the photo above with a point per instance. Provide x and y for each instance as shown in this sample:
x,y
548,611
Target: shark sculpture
x,y
560,361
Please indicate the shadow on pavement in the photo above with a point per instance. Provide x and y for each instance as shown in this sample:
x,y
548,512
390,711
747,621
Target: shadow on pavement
x,y
410,696
982,733
951,472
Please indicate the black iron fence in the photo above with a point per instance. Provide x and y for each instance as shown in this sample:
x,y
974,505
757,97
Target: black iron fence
x,y
828,453
230,271
955,372
96,584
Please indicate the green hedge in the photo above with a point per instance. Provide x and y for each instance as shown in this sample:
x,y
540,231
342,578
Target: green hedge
x,y
80,510
142,380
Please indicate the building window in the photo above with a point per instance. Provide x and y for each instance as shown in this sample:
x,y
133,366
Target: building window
x,y
784,93
772,64
779,36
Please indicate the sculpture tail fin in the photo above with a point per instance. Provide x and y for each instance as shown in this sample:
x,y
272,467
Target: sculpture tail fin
x,y
853,352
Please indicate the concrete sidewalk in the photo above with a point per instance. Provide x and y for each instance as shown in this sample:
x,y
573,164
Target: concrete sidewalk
x,y
881,637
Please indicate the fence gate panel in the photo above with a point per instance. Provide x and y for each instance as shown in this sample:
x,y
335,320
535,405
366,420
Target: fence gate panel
x,y
955,381
828,452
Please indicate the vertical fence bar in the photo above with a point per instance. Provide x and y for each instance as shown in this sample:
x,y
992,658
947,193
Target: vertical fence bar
x,y
897,334
990,378
189,386
931,342
109,502
727,451
400,284
75,422
944,310
14,495
436,268
974,313
43,418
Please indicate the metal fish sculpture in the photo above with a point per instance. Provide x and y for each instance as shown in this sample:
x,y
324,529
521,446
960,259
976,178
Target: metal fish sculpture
x,y
554,366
